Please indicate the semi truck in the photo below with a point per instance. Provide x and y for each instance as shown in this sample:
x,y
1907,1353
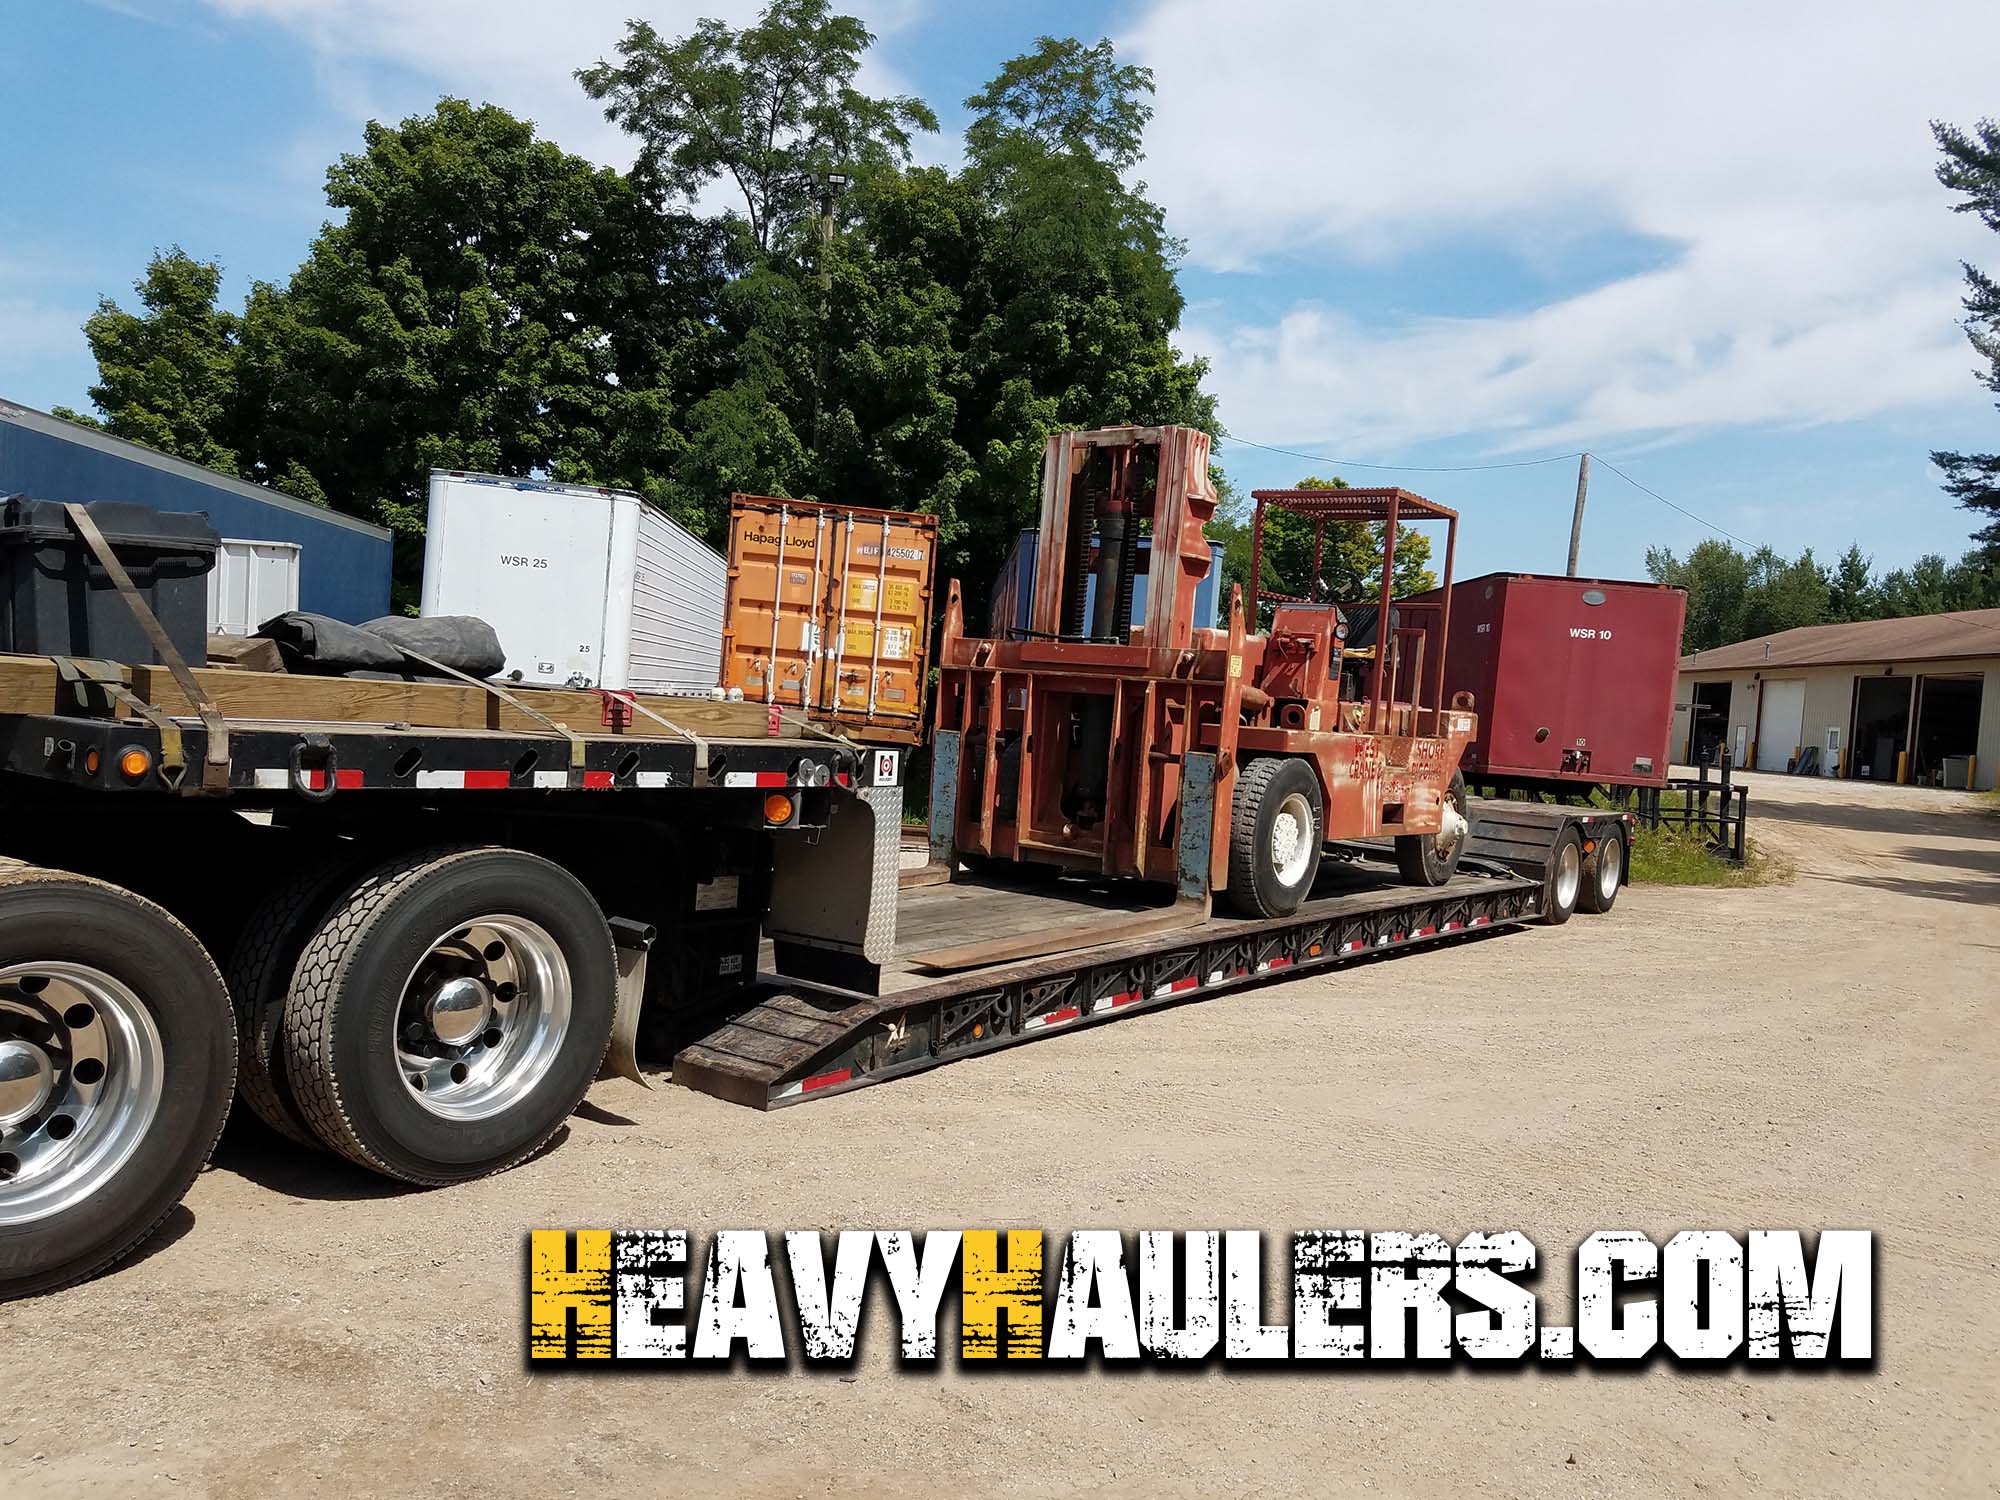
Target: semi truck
x,y
409,923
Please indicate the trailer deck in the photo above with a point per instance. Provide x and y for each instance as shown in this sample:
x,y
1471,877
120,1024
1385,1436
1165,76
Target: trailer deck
x,y
799,1042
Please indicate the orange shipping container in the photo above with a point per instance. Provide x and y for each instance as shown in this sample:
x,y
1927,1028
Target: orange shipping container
x,y
829,611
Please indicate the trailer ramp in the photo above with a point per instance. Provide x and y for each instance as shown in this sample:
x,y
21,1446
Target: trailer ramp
x,y
797,1042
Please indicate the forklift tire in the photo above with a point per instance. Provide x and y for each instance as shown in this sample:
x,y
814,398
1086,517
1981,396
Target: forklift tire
x,y
260,975
117,1064
1563,886
450,1012
1276,831
1603,873
1425,858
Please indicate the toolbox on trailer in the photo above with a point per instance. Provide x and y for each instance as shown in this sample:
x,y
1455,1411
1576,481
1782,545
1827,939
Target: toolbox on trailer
x,y
57,600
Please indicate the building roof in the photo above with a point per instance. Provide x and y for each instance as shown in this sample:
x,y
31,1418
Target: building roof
x,y
30,420
1966,632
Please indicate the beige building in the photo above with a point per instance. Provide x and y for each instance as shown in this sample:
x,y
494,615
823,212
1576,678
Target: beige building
x,y
1916,699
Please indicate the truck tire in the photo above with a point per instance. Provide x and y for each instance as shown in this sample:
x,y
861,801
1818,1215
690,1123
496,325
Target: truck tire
x,y
260,977
1276,831
117,1064
1603,873
450,1012
1432,858
1563,885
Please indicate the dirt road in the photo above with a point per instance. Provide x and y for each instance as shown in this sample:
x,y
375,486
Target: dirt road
x,y
1821,1054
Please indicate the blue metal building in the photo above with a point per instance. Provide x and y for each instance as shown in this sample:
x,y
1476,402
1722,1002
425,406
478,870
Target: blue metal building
x,y
343,563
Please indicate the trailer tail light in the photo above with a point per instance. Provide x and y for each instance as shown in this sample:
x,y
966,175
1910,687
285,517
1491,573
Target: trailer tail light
x,y
133,764
777,808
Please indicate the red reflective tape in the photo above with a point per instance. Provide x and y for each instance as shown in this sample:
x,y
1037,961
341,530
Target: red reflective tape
x,y
1179,984
1125,999
843,778
1425,932
486,780
1395,937
1281,963
596,780
1480,921
347,780
827,1080
316,781
1067,1013
770,778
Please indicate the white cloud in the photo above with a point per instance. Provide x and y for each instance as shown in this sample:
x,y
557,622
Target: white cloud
x,y
1781,150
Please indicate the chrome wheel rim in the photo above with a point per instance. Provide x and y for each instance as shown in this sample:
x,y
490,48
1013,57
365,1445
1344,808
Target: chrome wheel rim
x,y
1610,867
81,1074
1569,875
482,1017
1292,834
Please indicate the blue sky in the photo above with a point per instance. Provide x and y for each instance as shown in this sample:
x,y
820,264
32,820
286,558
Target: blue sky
x,y
1711,253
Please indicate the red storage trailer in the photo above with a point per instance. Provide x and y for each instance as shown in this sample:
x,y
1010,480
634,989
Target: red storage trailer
x,y
1572,679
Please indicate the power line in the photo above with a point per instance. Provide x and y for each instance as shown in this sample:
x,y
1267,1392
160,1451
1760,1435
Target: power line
x,y
1699,520
1349,463
1523,463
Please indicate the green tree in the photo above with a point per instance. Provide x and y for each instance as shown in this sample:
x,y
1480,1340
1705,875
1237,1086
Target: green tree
x,y
486,302
1350,561
1971,167
1717,580
1851,590
1785,595
166,375
1067,315
772,107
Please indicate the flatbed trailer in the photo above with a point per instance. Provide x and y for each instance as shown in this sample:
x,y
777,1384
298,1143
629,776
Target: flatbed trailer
x,y
415,945
412,943
796,1042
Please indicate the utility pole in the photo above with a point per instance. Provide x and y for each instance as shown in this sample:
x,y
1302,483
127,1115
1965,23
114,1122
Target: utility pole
x,y
1576,521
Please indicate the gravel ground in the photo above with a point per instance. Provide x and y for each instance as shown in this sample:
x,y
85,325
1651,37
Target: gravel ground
x,y
1817,1054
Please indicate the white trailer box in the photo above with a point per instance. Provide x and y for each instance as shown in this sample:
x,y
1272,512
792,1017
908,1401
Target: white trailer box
x,y
250,583
585,587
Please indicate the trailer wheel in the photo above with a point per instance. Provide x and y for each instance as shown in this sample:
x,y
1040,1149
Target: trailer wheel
x,y
1432,858
117,1062
450,1012
260,976
1603,873
1276,831
1563,886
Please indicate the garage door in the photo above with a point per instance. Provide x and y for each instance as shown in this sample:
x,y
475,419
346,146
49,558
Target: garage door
x,y
1781,715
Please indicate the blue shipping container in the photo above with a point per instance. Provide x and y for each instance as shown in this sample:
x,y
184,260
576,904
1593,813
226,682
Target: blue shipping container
x,y
343,562
1013,594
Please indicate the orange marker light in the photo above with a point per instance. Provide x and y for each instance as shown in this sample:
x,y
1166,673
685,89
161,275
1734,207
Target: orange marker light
x,y
777,808
91,761
134,763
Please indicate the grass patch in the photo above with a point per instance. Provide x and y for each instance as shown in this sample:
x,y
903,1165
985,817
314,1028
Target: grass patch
x,y
1670,856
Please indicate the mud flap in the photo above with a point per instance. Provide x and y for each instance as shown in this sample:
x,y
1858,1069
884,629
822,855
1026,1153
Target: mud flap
x,y
833,900
634,941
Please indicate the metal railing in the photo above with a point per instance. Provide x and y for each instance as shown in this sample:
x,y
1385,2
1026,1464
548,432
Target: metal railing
x,y
1715,809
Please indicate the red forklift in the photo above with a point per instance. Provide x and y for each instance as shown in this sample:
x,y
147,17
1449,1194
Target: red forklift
x,y
1152,749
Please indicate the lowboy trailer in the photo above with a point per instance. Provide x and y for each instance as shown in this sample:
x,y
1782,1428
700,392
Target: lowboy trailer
x,y
793,1043
416,945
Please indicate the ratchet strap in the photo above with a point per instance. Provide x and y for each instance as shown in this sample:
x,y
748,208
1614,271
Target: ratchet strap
x,y
215,762
576,745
